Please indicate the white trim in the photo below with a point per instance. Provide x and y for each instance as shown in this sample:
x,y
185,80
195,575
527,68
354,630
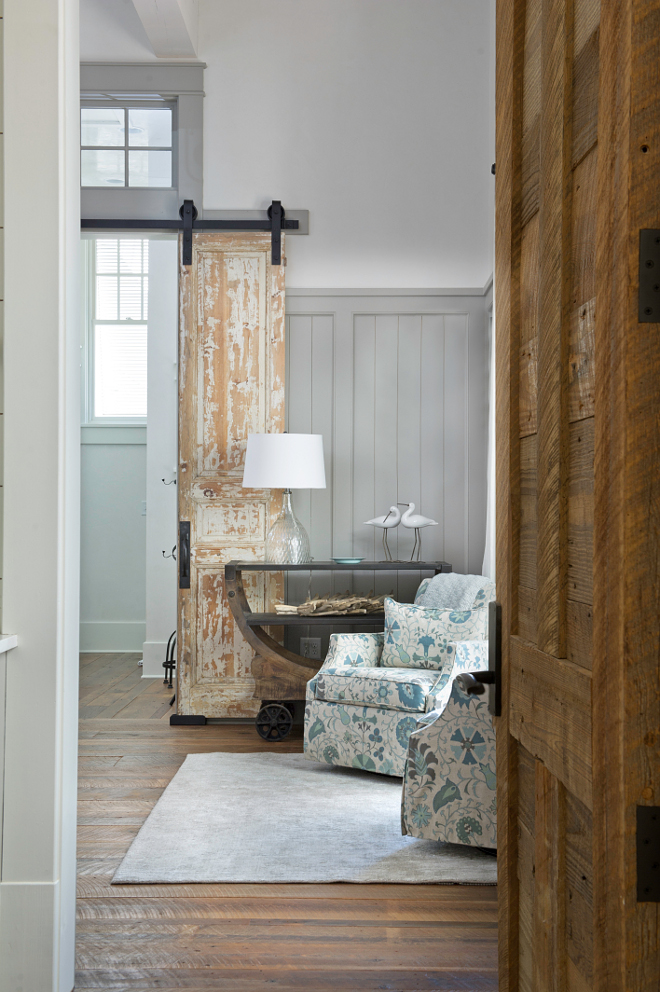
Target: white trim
x,y
7,642
113,434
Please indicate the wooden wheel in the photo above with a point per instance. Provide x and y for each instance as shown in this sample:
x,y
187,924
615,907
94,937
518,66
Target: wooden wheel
x,y
274,722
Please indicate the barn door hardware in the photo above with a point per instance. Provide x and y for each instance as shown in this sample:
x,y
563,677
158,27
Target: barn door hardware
x,y
189,224
474,683
649,277
184,554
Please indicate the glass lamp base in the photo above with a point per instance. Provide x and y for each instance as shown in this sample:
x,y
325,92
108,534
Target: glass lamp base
x,y
287,542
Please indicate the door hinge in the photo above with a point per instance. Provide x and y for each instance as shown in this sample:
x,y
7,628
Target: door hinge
x,y
648,854
649,277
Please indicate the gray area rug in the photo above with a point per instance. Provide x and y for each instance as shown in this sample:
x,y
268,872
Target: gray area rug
x,y
281,818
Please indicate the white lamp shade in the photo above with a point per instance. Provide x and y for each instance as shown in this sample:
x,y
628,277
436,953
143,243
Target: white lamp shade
x,y
284,461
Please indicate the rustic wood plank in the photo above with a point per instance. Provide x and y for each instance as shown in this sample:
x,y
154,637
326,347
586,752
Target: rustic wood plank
x,y
509,72
550,714
308,980
549,924
527,622
582,368
626,590
531,109
579,634
583,231
528,566
585,98
528,400
579,888
554,221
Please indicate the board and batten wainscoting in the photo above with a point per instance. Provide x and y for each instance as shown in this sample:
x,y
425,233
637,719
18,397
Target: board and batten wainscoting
x,y
397,383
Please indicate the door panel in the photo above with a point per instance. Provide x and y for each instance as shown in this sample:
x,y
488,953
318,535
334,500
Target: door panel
x,y
578,458
231,383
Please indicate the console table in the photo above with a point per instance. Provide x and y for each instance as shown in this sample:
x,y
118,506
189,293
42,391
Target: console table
x,y
280,675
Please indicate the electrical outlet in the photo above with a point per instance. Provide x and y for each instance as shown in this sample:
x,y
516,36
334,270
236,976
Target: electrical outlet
x,y
310,647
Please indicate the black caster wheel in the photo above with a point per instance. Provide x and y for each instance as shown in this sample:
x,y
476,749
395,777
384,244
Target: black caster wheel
x,y
274,722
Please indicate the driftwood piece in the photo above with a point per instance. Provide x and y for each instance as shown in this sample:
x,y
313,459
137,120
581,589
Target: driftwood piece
x,y
338,604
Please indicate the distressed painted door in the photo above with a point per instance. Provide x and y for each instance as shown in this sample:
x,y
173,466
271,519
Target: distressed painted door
x,y
578,393
231,383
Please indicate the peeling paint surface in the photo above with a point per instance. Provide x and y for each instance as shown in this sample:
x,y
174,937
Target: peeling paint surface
x,y
231,383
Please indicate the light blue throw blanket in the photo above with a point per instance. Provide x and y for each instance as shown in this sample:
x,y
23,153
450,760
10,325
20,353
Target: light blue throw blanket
x,y
452,591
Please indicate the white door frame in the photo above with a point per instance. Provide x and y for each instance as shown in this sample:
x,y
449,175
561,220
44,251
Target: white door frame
x,y
41,492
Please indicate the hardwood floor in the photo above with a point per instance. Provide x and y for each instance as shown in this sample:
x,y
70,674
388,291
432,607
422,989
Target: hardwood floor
x,y
240,938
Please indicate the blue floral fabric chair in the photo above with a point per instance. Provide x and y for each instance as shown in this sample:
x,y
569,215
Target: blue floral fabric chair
x,y
449,778
372,690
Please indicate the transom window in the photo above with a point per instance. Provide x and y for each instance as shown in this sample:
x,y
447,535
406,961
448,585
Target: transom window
x,y
117,339
126,146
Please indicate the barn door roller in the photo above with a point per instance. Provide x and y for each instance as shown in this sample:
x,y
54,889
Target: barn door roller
x,y
189,223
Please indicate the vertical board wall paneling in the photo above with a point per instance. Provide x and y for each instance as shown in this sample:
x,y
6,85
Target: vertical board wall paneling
x,y
398,386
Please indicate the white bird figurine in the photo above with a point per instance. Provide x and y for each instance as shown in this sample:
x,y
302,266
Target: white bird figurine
x,y
390,519
415,521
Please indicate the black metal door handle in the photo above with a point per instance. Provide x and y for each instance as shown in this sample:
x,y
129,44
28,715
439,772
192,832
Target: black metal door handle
x,y
184,554
474,683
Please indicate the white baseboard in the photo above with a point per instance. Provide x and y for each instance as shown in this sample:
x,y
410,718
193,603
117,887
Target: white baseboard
x,y
153,656
33,936
108,637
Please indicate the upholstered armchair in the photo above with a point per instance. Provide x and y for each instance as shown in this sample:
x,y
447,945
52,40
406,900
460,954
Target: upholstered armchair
x,y
449,776
373,689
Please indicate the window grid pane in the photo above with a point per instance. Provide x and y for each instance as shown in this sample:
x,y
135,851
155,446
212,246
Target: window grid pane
x,y
107,134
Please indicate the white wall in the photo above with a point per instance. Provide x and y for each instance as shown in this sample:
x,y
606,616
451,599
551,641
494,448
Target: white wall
x,y
41,480
374,115
113,542
111,31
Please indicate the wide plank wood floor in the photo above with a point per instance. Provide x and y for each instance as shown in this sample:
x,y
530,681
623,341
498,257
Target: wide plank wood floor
x,y
239,938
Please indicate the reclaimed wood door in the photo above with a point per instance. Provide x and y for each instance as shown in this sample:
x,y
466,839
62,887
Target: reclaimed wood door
x,y
578,410
231,383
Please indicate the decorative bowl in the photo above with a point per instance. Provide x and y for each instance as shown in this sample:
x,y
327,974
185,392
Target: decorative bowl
x,y
347,561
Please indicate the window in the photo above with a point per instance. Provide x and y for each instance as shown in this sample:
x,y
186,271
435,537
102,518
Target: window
x,y
126,146
118,286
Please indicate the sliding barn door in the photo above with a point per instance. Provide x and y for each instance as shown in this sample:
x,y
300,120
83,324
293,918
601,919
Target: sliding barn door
x,y
578,483
231,383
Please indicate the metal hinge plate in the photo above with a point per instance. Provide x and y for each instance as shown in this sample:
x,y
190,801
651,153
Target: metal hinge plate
x,y
648,854
649,277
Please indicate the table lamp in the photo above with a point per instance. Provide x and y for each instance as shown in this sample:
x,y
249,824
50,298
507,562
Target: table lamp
x,y
285,461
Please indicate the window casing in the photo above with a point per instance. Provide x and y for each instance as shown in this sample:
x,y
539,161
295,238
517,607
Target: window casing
x,y
145,86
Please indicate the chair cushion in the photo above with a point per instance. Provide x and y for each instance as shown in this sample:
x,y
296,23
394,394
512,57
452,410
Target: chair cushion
x,y
389,688
357,650
417,637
